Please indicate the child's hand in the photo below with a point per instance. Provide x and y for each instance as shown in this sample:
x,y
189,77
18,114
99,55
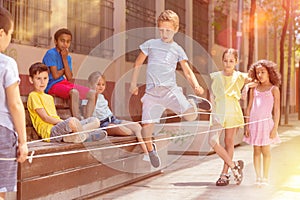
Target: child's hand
x,y
247,132
64,53
252,84
134,90
198,90
22,152
273,133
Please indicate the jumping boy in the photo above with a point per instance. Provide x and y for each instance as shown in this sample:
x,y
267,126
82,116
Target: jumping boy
x,y
60,64
44,117
12,122
162,91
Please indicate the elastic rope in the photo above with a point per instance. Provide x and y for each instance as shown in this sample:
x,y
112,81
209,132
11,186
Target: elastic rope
x,y
32,156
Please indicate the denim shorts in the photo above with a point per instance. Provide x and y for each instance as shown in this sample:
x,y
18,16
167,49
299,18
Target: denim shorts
x,y
109,120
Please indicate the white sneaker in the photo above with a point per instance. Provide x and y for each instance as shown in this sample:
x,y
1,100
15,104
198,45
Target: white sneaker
x,y
146,158
75,138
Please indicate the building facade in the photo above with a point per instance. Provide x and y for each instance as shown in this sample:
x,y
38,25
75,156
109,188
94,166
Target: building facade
x,y
107,35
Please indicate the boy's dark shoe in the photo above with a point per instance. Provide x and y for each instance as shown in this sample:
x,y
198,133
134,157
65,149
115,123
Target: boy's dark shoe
x,y
154,158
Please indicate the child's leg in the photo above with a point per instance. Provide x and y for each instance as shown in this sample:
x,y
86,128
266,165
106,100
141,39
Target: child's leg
x,y
74,103
229,146
119,130
266,152
66,127
147,131
257,160
147,134
90,106
2,195
236,167
222,153
137,130
75,125
90,123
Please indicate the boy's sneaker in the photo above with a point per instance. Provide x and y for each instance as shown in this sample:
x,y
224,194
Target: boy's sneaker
x,y
201,102
238,172
96,135
146,158
75,138
154,158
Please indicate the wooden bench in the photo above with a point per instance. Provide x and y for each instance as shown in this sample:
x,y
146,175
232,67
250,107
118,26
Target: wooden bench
x,y
82,171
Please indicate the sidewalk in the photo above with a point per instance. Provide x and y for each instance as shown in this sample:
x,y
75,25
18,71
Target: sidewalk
x,y
193,177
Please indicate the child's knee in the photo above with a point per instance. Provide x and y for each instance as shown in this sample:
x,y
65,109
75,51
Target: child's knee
x,y
74,93
147,130
95,121
75,125
190,115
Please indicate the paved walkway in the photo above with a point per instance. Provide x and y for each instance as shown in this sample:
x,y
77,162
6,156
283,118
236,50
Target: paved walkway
x,y
193,177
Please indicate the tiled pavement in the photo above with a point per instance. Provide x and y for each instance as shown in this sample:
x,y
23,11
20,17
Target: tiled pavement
x,y
193,177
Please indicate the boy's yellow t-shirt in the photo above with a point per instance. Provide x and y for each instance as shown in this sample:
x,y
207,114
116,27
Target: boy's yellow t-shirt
x,y
38,100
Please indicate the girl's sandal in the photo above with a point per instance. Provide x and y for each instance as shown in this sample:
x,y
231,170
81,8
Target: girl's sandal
x,y
223,181
238,172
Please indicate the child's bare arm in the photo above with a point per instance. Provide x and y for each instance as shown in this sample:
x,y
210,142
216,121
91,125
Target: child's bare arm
x,y
137,66
190,76
67,70
45,117
56,73
276,109
247,112
17,111
64,71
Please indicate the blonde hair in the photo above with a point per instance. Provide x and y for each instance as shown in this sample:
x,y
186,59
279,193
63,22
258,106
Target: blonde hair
x,y
94,77
169,16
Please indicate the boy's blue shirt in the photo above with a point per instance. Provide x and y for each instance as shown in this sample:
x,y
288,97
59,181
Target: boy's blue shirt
x,y
53,58
162,62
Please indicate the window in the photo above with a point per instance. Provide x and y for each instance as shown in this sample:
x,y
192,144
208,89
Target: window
x,y
32,20
177,6
91,22
200,35
200,22
222,31
220,28
139,14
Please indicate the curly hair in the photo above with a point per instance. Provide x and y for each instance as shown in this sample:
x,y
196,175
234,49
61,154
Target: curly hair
x,y
274,75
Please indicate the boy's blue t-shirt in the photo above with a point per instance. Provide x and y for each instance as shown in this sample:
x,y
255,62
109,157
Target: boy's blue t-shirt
x,y
53,58
162,61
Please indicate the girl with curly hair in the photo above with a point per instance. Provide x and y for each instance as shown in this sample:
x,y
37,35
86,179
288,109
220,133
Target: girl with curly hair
x,y
261,128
